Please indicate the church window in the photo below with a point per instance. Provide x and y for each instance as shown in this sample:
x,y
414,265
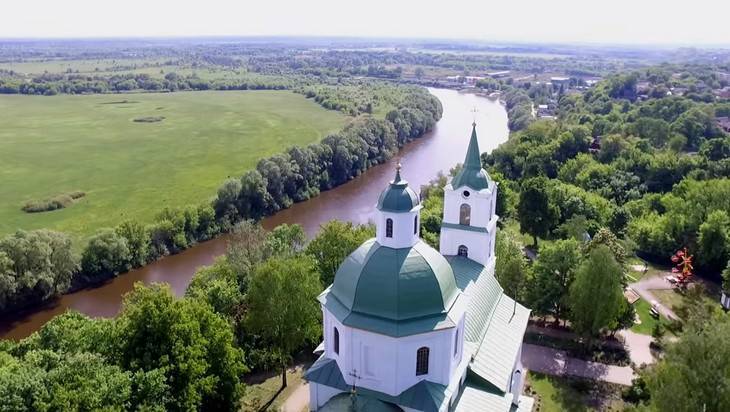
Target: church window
x,y
466,193
456,342
389,228
415,225
367,365
464,214
337,341
422,361
463,251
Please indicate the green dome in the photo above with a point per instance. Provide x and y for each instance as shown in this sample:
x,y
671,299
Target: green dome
x,y
472,175
398,197
395,284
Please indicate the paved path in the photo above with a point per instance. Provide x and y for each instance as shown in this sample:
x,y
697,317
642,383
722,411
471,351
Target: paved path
x,y
644,286
638,346
557,362
298,400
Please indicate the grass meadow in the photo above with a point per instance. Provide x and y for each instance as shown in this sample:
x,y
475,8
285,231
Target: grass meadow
x,y
180,149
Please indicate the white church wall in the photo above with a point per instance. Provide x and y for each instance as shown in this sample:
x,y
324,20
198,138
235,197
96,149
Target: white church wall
x,y
479,202
403,225
388,364
478,243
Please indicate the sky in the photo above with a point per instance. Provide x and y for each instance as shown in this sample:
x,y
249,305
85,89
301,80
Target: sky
x,y
670,22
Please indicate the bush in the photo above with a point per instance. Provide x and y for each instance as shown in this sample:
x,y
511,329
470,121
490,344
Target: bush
x,y
57,202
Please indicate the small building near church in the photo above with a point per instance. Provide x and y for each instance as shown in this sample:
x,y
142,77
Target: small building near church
x,y
410,328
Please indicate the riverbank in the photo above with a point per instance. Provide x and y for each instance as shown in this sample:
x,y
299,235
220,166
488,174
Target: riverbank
x,y
422,159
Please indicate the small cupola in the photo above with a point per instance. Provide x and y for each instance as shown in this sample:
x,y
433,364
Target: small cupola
x,y
398,214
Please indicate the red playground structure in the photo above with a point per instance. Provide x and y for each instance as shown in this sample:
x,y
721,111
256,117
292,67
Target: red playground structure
x,y
683,269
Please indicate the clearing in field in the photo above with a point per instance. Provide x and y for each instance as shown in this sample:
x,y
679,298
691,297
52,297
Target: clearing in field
x,y
134,154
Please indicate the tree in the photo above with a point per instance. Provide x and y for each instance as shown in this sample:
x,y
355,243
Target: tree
x,y
537,215
217,285
282,305
554,274
250,245
37,266
693,374
286,240
106,255
713,239
511,269
138,241
726,278
187,342
334,242
596,294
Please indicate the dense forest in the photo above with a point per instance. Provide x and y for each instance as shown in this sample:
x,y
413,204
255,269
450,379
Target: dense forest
x,y
628,167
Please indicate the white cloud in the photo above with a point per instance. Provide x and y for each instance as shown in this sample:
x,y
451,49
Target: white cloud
x,y
617,21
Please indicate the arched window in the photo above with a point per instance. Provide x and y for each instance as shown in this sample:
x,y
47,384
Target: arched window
x,y
415,225
422,361
389,228
337,341
465,214
463,251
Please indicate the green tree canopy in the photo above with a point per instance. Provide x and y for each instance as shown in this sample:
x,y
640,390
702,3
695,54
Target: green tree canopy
x,y
694,374
536,213
596,293
334,242
184,340
282,305
554,274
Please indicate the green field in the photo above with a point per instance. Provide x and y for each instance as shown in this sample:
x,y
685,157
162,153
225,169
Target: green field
x,y
54,145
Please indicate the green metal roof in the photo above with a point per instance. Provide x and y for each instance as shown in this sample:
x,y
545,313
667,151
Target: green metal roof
x,y
398,197
472,175
484,293
424,396
464,227
495,324
475,397
395,284
343,402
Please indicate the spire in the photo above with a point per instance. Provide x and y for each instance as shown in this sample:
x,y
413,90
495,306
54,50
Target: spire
x,y
473,159
472,174
397,174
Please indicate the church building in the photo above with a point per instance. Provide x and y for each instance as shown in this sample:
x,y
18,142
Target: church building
x,y
409,328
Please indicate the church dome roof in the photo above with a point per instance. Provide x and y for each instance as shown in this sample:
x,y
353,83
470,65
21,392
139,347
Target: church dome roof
x,y
398,197
395,284
472,175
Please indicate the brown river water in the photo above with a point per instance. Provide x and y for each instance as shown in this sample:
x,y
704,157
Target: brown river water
x,y
421,160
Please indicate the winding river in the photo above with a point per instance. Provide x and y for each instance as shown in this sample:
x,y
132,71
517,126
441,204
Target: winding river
x,y
421,160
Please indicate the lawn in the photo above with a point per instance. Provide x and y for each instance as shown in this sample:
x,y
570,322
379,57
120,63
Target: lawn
x,y
261,391
55,145
560,394
647,321
668,297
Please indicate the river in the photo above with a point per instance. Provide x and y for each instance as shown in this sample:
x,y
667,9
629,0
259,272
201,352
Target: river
x,y
421,160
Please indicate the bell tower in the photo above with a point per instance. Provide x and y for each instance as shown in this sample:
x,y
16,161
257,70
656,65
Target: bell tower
x,y
470,199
